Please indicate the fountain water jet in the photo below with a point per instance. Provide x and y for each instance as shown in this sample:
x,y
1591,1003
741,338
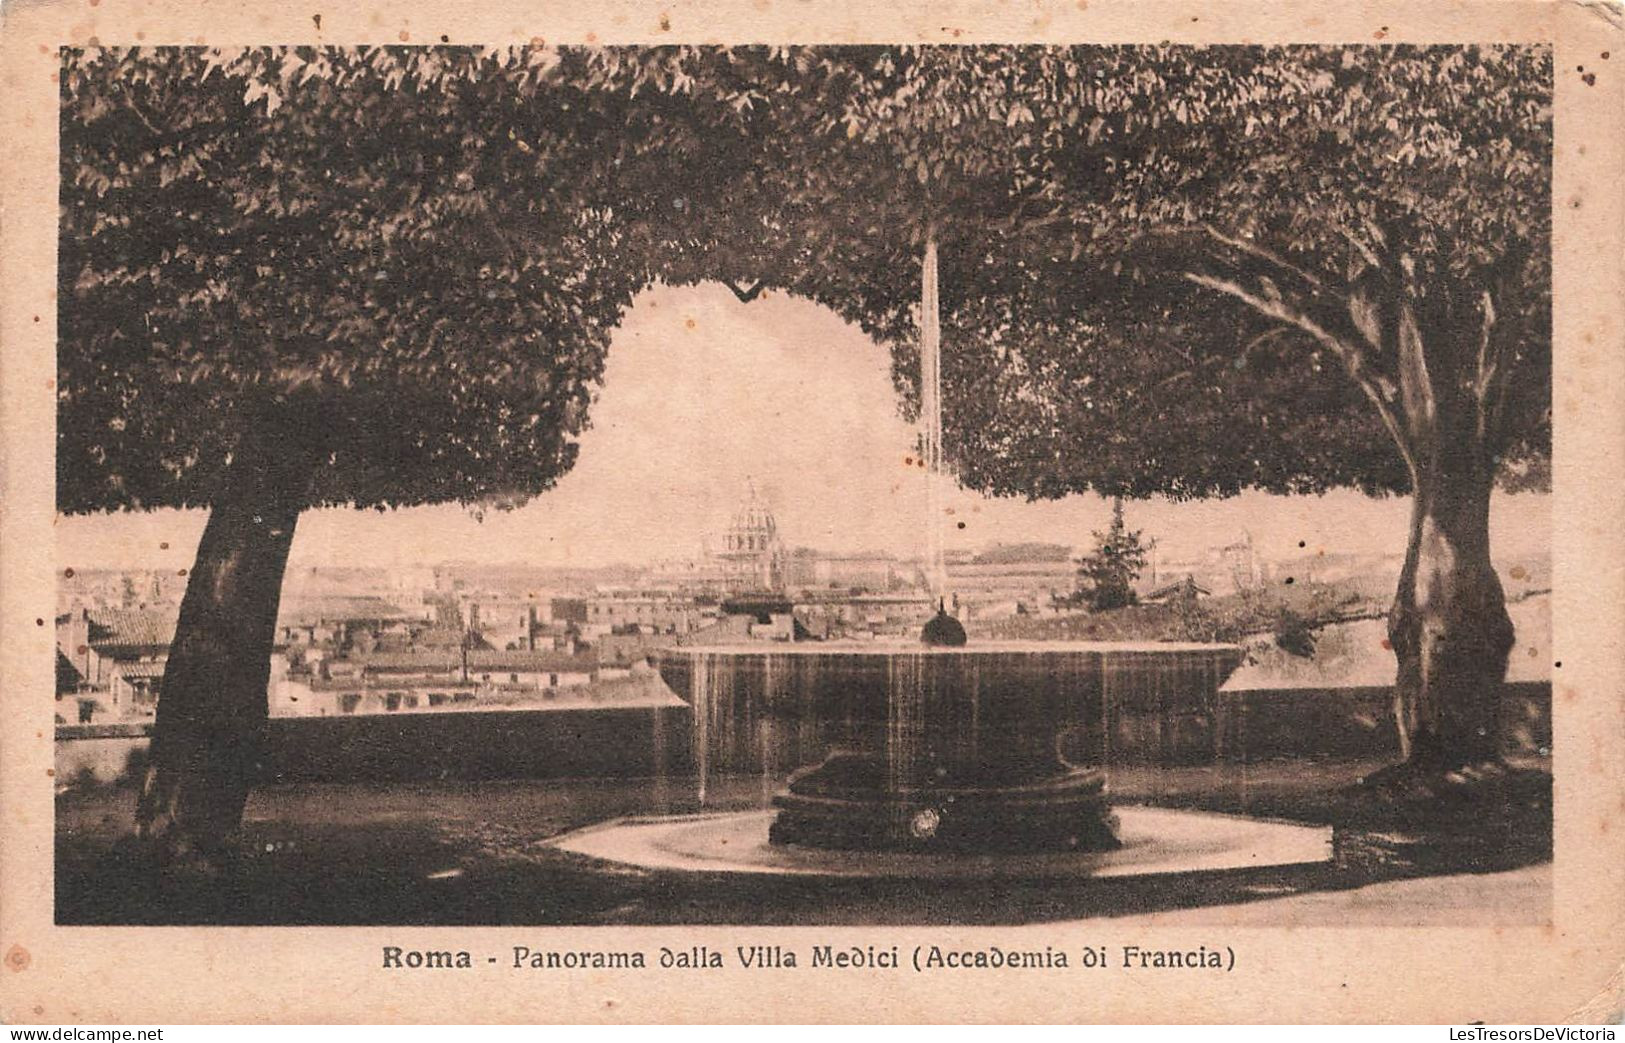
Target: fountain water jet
x,y
938,753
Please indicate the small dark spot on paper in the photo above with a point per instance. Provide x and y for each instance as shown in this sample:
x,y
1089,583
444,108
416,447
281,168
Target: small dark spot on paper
x,y
17,959
318,20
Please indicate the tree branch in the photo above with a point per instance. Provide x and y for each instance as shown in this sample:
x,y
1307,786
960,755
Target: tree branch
x,y
1253,249
1377,388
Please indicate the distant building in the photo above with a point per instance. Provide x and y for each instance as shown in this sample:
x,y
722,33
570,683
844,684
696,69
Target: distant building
x,y
752,555
1186,589
643,613
392,682
992,585
113,660
871,572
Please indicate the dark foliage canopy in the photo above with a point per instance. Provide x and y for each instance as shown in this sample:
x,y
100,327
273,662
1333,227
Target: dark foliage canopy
x,y
411,260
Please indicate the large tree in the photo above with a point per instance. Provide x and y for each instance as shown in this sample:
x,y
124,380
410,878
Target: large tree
x,y
1337,262
301,278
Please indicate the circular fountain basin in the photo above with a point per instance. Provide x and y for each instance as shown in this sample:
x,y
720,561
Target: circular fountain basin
x,y
1154,841
950,749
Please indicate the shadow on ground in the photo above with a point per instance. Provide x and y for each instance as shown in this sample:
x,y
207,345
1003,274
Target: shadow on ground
x,y
471,853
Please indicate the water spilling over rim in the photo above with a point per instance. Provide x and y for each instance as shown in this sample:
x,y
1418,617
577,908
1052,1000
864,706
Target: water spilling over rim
x,y
904,647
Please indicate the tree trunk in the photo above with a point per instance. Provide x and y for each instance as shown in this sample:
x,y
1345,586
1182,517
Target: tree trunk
x,y
208,741
1449,625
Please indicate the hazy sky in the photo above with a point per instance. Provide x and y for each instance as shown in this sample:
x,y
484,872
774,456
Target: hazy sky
x,y
702,393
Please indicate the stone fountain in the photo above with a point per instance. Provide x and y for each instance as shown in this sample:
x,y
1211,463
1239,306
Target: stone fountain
x,y
942,748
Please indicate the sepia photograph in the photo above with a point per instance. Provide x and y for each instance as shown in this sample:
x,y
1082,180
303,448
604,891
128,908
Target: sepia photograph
x,y
1054,487
634,635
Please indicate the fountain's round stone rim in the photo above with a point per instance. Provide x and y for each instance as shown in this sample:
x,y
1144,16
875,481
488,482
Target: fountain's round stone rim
x,y
1156,842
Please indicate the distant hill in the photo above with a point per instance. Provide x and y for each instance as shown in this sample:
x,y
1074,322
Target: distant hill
x,y
1016,553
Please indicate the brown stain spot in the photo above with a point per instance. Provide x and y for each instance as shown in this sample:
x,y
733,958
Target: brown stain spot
x,y
665,22
67,573
39,622
908,461
38,1009
1590,79
1605,56
317,19
180,572
444,38
163,544
690,323
592,37
1387,645
1519,572
537,41
139,35
36,318
17,959
50,773
405,36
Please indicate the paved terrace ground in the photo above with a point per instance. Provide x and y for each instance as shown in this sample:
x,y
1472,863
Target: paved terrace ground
x,y
470,853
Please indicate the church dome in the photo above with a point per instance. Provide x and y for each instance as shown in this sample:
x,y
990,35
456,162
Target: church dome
x,y
753,528
755,517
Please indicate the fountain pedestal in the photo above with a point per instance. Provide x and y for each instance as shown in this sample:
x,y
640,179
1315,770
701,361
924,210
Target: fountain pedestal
x,y
941,748
848,802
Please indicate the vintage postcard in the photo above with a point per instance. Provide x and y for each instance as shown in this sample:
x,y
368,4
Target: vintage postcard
x,y
784,511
